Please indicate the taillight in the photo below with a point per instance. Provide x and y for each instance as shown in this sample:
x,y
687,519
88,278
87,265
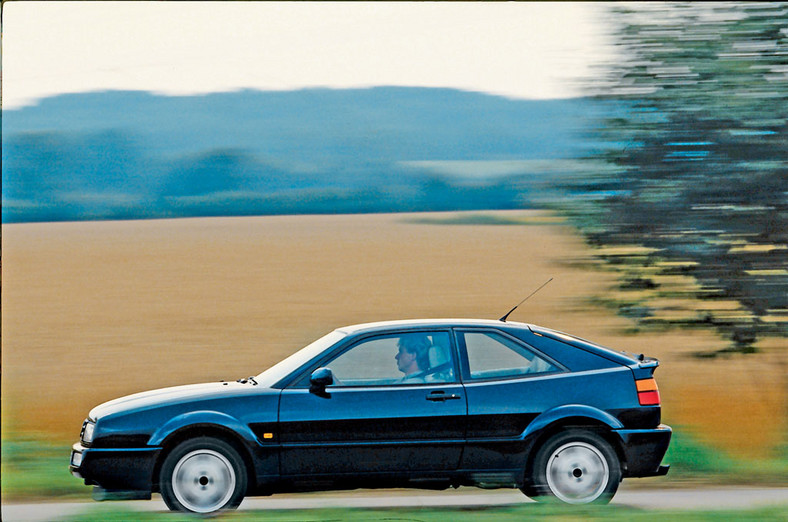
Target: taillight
x,y
648,393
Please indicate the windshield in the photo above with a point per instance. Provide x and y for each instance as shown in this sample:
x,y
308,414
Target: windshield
x,y
283,368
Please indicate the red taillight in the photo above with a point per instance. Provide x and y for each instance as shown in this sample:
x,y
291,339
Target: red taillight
x,y
648,393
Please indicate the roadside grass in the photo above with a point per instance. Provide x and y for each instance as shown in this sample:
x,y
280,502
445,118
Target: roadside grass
x,y
37,468
693,461
493,514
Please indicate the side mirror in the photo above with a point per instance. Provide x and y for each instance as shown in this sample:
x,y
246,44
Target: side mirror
x,y
322,377
318,381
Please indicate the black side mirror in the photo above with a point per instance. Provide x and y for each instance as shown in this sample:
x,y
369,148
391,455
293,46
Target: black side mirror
x,y
318,381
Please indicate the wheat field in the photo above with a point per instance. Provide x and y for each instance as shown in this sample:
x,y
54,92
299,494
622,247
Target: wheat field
x,y
95,310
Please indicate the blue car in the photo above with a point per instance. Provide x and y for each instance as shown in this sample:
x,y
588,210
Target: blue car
x,y
422,404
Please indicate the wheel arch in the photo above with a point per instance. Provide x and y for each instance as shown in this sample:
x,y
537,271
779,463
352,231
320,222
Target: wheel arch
x,y
571,417
208,430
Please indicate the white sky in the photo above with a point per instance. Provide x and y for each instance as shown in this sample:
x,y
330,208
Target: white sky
x,y
524,50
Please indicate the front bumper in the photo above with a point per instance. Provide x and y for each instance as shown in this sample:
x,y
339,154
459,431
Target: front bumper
x,y
644,451
115,469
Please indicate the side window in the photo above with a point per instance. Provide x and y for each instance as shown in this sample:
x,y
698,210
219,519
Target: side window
x,y
494,356
407,358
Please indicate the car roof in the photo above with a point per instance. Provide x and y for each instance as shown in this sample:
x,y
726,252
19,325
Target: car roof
x,y
426,323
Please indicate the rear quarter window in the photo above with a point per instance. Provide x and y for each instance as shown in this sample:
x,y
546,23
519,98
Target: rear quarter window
x,y
491,355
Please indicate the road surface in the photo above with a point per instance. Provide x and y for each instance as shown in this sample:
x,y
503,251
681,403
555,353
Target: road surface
x,y
685,499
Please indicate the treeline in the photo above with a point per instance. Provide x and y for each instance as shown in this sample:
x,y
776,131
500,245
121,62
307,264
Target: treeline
x,y
127,155
701,159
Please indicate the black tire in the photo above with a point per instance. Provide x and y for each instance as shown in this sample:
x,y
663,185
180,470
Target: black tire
x,y
203,475
575,467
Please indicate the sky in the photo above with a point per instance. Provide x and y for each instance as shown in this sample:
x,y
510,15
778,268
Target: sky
x,y
531,50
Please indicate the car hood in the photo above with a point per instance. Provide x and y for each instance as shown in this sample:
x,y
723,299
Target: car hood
x,y
175,395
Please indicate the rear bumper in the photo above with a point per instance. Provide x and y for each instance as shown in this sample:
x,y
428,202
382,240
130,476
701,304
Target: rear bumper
x,y
115,469
644,451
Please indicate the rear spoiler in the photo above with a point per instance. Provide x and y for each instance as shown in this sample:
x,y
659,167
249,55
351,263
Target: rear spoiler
x,y
645,367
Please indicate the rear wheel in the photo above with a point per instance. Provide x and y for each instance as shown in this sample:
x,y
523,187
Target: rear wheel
x,y
203,475
575,467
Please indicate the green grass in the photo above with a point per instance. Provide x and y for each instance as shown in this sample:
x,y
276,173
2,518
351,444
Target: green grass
x,y
35,468
493,514
691,460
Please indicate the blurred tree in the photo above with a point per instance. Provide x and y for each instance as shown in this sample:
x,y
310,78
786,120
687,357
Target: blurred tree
x,y
702,155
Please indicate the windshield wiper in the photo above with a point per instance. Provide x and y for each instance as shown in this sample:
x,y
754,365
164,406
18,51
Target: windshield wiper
x,y
248,379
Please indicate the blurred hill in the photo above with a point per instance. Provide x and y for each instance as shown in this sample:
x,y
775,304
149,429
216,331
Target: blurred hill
x,y
128,154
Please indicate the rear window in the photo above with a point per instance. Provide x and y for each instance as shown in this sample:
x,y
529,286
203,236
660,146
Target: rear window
x,y
619,357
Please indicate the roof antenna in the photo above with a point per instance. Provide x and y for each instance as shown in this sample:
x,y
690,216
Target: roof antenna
x,y
503,319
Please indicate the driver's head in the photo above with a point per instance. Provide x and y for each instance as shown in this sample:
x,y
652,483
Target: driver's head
x,y
413,355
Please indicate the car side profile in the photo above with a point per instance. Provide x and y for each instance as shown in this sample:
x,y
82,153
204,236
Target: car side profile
x,y
423,404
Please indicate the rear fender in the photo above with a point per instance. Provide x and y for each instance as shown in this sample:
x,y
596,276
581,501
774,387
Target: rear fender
x,y
554,415
571,414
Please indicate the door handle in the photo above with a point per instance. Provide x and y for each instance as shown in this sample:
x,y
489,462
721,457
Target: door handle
x,y
439,396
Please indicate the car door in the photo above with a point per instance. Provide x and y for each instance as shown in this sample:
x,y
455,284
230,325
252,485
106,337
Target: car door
x,y
375,418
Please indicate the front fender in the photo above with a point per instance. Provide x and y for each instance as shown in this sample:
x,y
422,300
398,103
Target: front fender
x,y
567,411
201,418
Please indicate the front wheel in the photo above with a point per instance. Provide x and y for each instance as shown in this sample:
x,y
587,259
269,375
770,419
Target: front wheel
x,y
203,475
575,467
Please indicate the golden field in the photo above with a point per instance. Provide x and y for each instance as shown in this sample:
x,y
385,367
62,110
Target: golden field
x,y
95,310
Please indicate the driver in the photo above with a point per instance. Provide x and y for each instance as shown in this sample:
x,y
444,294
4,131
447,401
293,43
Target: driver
x,y
413,357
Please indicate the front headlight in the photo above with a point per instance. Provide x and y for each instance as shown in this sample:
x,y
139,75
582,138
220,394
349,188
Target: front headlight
x,y
87,431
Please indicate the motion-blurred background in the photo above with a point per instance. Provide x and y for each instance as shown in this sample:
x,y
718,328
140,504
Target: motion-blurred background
x,y
636,151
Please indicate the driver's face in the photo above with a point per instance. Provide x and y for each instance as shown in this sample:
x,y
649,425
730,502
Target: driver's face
x,y
404,359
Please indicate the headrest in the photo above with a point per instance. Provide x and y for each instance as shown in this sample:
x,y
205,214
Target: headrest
x,y
438,355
